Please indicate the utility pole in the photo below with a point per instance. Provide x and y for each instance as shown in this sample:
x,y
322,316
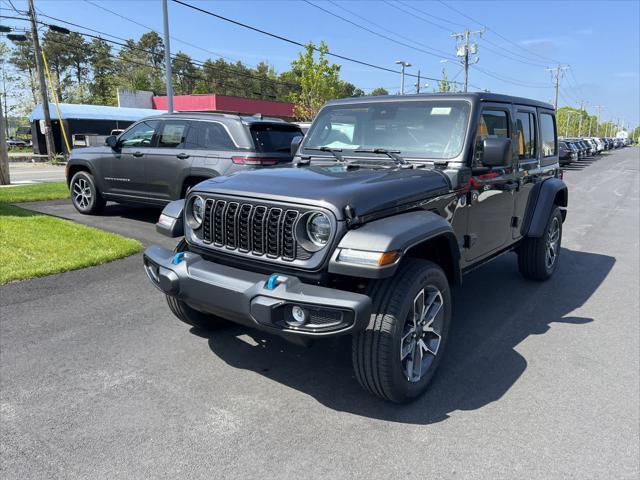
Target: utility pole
x,y
48,134
404,65
566,131
590,122
167,57
5,178
582,102
598,108
556,73
417,85
464,50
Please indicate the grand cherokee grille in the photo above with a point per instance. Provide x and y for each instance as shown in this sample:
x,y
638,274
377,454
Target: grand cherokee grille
x,y
253,228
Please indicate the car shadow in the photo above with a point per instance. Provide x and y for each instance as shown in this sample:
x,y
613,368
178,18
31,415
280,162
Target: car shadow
x,y
132,212
494,311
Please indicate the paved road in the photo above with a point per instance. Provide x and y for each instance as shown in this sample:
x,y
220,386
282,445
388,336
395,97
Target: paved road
x,y
27,172
540,380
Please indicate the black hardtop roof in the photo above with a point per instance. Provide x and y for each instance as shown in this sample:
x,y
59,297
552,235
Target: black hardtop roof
x,y
258,118
472,97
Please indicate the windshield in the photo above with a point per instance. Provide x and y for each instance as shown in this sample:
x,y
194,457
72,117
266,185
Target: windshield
x,y
430,129
274,138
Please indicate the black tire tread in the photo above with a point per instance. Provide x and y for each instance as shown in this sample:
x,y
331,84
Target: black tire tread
x,y
193,317
531,253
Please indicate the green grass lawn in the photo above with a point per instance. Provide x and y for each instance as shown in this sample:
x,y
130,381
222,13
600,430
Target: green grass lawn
x,y
35,245
34,193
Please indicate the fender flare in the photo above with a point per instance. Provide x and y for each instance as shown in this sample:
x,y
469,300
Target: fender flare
x,y
395,233
541,202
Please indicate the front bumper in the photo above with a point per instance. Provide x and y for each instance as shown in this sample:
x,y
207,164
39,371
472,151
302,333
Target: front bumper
x,y
250,299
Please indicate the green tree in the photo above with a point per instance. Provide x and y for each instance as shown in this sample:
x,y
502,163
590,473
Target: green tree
x,y
102,89
378,91
24,61
185,74
444,85
58,54
319,81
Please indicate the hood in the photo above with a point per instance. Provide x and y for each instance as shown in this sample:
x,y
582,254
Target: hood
x,y
333,186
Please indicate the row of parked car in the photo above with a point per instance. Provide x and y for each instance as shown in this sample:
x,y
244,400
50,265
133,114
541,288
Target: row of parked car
x,y
575,149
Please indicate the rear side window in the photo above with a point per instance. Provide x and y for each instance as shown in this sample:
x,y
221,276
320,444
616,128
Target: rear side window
x,y
548,133
526,127
274,138
208,136
172,134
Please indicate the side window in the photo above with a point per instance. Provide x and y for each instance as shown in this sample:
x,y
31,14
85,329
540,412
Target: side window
x,y
208,136
548,134
493,123
140,135
171,134
526,131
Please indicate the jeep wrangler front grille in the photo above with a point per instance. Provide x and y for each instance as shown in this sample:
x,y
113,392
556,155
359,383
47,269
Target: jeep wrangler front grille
x,y
252,228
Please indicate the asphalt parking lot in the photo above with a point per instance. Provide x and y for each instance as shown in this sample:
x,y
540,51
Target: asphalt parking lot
x,y
540,380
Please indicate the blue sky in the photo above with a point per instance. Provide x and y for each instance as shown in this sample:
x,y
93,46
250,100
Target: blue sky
x,y
599,40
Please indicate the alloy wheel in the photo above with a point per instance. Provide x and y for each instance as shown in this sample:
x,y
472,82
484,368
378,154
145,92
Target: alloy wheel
x,y
81,192
553,242
422,333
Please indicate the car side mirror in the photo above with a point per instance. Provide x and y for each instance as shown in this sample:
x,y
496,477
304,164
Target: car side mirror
x,y
497,152
295,144
112,141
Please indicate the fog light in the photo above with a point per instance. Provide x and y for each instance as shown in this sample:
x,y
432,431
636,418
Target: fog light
x,y
299,316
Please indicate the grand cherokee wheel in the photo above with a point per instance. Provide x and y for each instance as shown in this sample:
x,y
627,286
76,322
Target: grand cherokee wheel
x,y
84,194
538,257
397,354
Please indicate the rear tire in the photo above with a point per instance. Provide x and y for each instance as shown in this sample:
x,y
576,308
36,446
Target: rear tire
x,y
397,354
538,257
85,196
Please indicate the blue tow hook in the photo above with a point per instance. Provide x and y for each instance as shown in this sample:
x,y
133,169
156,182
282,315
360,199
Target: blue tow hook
x,y
177,258
275,280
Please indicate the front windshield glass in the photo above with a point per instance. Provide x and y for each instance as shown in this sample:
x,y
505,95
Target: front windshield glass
x,y
430,129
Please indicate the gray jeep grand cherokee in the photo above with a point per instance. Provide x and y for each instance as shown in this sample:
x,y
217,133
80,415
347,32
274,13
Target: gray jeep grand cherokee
x,y
389,201
156,160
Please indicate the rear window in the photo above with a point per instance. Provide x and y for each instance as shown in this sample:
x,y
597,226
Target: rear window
x,y
274,138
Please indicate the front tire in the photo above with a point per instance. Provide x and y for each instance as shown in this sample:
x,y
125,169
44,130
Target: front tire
x,y
397,354
538,257
193,317
85,196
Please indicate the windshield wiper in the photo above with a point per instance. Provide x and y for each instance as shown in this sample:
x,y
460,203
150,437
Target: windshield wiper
x,y
392,154
332,151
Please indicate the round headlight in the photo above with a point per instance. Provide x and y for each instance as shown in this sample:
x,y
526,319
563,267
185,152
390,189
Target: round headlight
x,y
195,213
319,229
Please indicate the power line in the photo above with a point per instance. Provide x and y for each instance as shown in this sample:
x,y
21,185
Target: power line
x,y
432,52
508,79
290,41
414,15
429,14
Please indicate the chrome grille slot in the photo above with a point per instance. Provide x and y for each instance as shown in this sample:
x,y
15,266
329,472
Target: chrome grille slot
x,y
230,225
258,221
206,221
288,238
218,222
244,230
273,232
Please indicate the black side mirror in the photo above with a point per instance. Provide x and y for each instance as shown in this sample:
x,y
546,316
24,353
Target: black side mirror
x,y
112,141
295,144
497,152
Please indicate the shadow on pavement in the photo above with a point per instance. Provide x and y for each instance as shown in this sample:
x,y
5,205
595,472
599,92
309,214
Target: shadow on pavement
x,y
132,212
494,311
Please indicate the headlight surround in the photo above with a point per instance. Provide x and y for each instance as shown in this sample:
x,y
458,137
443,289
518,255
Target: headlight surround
x,y
195,212
318,229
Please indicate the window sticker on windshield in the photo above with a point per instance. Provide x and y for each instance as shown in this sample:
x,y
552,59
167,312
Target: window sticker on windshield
x,y
440,110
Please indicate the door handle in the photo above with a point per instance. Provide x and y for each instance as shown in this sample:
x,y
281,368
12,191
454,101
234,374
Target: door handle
x,y
182,156
137,154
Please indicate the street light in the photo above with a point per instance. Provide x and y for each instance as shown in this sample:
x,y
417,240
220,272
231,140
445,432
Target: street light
x,y
404,65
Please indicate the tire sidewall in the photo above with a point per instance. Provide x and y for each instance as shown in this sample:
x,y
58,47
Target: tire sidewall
x,y
430,276
94,192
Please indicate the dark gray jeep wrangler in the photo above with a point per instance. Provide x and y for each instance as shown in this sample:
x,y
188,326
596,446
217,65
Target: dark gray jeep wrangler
x,y
388,202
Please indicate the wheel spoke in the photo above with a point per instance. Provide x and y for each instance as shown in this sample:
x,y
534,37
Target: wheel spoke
x,y
418,308
407,348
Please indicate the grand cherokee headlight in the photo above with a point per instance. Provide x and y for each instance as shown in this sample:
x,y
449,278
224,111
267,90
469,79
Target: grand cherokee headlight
x,y
319,229
195,212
